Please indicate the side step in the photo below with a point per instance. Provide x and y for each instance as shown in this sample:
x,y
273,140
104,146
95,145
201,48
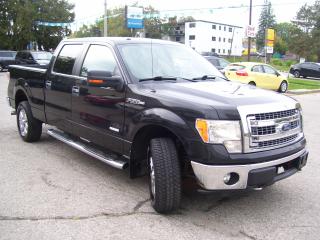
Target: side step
x,y
110,159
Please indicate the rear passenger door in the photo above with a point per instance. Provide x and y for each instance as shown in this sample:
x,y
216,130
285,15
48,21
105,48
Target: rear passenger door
x,y
58,87
98,112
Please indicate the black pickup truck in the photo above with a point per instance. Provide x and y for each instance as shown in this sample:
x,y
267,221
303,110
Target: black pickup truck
x,y
160,109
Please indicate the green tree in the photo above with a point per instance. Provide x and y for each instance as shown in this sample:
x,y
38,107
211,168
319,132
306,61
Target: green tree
x,y
266,20
18,18
308,20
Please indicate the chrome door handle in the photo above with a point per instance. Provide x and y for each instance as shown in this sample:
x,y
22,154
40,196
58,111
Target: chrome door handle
x,y
75,89
48,84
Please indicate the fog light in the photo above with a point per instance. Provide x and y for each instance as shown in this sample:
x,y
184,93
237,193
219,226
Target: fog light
x,y
231,178
226,178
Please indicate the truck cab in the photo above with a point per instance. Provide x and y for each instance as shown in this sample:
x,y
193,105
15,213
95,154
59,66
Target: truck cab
x,y
162,110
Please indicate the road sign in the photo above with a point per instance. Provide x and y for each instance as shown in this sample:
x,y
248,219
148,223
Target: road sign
x,y
250,31
269,49
270,34
134,17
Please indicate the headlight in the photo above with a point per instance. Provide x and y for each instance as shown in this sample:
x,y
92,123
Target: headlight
x,y
223,132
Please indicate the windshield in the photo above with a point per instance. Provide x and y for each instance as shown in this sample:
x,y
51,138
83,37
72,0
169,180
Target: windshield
x,y
151,60
223,63
42,55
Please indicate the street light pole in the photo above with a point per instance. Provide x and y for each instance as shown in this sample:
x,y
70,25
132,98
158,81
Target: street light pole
x,y
249,38
105,20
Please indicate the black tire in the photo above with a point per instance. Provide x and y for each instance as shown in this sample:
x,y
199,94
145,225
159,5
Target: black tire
x,y
167,175
252,83
283,87
25,120
296,74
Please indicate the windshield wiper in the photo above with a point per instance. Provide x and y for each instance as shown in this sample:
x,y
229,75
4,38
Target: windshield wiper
x,y
204,77
158,78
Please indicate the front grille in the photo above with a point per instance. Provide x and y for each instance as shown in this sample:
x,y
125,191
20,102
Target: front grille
x,y
277,142
275,115
263,130
273,129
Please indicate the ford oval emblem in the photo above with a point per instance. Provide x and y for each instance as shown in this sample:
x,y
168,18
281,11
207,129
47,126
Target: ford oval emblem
x,y
286,127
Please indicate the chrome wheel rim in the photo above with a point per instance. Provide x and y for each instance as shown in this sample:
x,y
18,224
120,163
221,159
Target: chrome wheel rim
x,y
152,177
283,87
23,123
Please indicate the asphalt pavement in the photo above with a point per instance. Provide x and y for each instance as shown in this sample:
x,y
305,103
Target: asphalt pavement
x,y
49,190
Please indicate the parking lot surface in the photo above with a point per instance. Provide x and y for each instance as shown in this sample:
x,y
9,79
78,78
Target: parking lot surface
x,y
49,190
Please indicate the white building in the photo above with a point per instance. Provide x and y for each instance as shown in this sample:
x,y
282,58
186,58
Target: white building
x,y
204,36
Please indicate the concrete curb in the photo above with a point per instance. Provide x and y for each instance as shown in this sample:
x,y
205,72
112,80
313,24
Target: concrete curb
x,y
303,91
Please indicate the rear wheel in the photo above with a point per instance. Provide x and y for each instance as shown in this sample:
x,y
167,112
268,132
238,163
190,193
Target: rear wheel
x,y
30,129
283,87
165,175
252,83
296,74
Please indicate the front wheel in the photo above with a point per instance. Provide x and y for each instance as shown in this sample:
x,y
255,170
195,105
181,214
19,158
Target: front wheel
x,y
283,87
296,74
30,129
165,175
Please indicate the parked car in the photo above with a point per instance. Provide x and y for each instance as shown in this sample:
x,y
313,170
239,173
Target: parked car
x,y
162,110
257,74
33,58
306,69
218,62
6,58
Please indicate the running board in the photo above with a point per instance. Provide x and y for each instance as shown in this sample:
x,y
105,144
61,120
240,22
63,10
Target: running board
x,y
110,159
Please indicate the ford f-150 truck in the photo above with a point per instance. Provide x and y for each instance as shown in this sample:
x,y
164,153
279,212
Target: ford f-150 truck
x,y
160,109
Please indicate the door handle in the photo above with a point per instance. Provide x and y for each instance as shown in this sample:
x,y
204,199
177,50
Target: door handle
x,y
48,84
75,89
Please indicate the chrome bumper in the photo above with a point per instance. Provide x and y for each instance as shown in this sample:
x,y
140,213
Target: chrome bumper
x,y
211,177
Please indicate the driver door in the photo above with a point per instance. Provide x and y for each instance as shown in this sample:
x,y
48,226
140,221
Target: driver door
x,y
98,112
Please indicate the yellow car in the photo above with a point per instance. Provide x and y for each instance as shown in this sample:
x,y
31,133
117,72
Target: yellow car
x,y
258,74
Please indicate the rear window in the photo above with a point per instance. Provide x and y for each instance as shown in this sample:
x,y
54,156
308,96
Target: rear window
x,y
66,59
235,67
7,54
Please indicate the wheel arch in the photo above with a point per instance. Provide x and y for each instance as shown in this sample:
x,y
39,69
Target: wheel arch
x,y
20,95
140,143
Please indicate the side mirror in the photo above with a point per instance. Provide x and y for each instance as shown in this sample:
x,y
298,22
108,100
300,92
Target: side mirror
x,y
104,79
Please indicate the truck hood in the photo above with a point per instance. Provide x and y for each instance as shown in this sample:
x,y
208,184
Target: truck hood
x,y
220,95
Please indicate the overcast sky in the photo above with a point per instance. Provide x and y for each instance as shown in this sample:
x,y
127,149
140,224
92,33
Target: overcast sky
x,y
285,10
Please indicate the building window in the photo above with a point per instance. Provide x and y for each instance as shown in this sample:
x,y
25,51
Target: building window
x,y
178,28
219,39
214,39
230,29
219,27
214,27
229,51
192,37
213,50
224,39
229,40
192,25
218,50
178,39
224,28
224,51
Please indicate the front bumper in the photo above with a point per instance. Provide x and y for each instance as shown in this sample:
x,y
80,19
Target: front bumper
x,y
211,177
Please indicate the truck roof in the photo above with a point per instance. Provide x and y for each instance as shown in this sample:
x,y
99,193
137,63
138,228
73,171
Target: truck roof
x,y
119,40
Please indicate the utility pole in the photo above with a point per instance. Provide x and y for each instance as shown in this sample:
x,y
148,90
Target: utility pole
x,y
105,20
249,38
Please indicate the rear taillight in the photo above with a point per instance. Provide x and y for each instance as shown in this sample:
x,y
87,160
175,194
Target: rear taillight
x,y
241,73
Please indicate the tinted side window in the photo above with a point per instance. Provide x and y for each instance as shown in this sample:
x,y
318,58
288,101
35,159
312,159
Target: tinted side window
x,y
215,62
269,70
66,59
257,68
99,58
